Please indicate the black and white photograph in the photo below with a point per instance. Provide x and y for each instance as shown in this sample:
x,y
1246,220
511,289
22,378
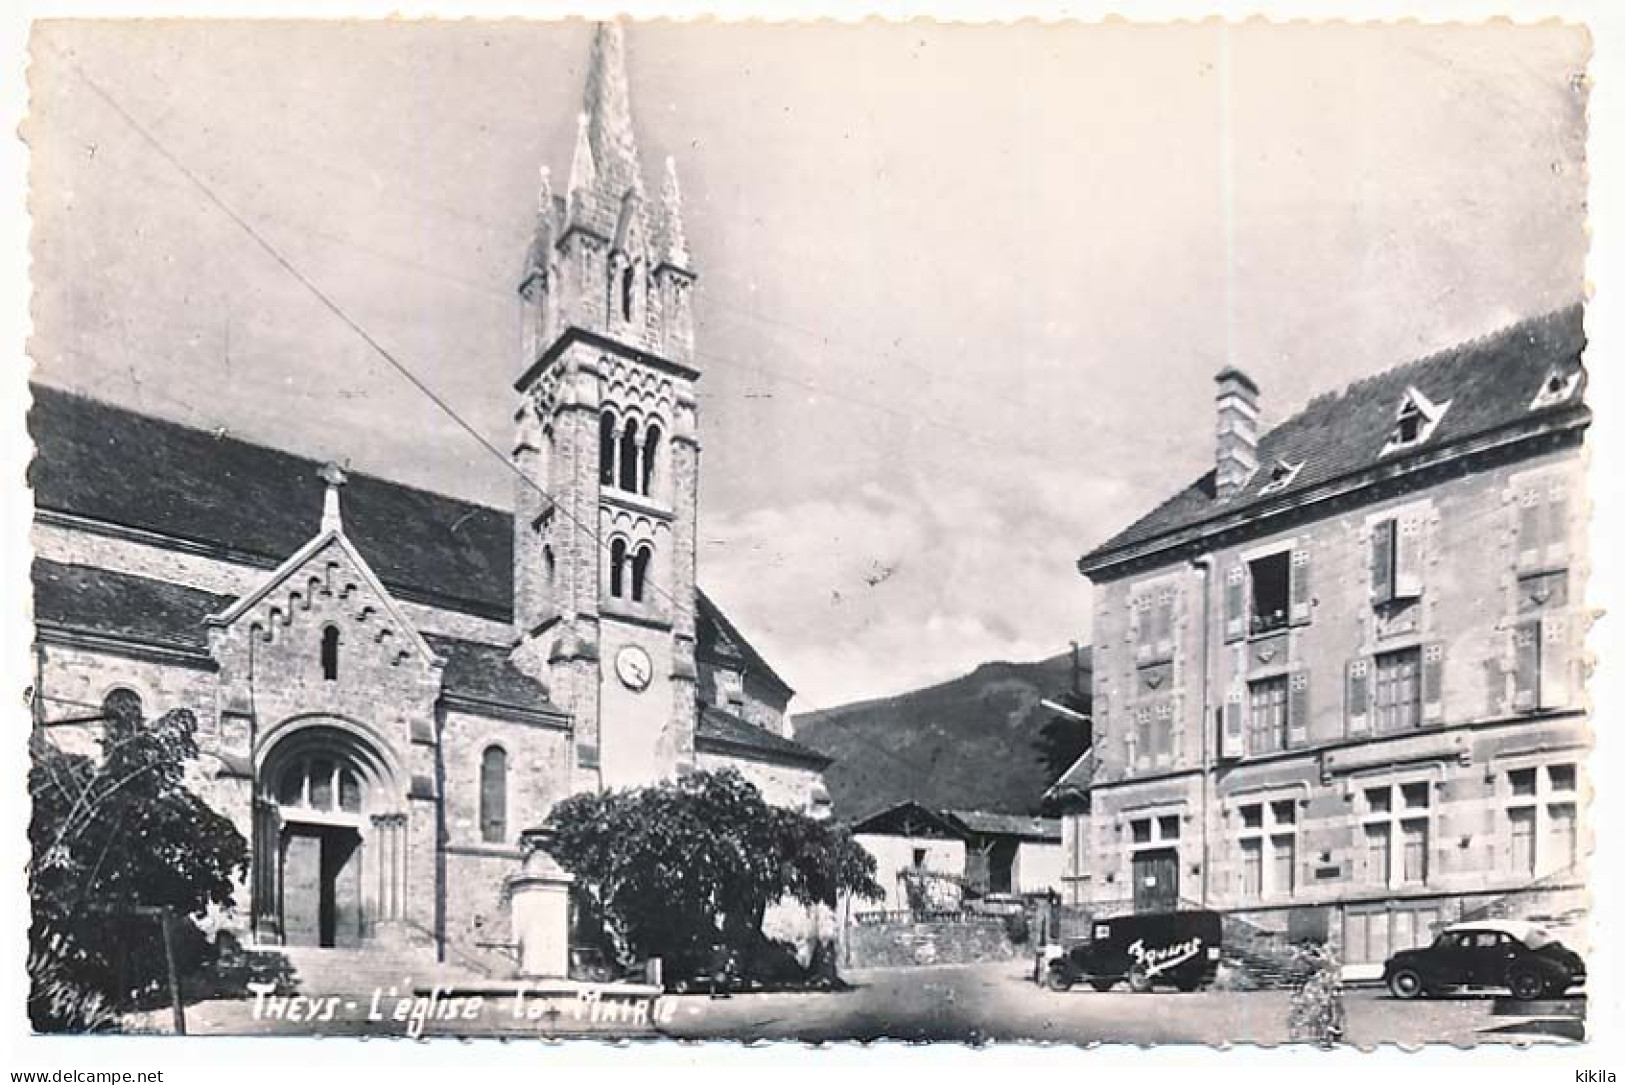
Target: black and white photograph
x,y
638,530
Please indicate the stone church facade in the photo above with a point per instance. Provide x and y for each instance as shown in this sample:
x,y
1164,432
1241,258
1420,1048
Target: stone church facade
x,y
391,684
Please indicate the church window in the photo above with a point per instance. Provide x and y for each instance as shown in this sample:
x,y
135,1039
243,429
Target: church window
x,y
629,457
321,785
349,792
651,449
617,568
640,571
606,449
330,653
550,568
123,705
628,290
494,795
291,788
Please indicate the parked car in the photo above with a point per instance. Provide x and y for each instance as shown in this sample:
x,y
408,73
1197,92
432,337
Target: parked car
x,y
1521,957
1177,949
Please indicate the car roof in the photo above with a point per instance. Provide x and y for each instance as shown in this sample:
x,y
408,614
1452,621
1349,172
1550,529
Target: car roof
x,y
1517,928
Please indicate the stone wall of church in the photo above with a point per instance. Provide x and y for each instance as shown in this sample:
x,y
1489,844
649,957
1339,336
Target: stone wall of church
x,y
538,773
476,870
780,784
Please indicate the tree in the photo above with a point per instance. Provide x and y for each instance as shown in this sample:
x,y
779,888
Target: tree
x,y
1062,739
687,868
111,839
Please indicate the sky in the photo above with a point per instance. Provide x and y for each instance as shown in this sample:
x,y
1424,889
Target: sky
x,y
962,290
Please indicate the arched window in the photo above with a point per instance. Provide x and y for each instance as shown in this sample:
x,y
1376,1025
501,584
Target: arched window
x,y
330,653
628,290
494,795
617,566
629,457
318,783
550,566
606,449
640,571
651,449
124,706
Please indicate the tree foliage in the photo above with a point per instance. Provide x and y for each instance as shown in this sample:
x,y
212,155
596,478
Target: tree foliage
x,y
1062,739
111,837
682,868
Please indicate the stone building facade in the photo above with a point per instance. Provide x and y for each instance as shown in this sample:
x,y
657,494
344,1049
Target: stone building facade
x,y
1339,680
391,684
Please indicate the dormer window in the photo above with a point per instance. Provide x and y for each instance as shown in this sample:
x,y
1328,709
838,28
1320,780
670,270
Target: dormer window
x,y
1281,476
1558,387
1415,422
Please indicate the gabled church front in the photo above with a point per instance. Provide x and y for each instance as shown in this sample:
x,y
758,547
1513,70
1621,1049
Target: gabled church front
x,y
392,685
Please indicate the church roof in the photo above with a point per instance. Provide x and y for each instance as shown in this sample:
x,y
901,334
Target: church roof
x,y
1491,384
100,602
109,604
260,504
726,733
485,672
718,640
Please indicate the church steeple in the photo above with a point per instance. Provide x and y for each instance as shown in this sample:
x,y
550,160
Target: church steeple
x,y
607,447
608,107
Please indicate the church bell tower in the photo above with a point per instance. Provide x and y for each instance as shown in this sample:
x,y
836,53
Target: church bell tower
x,y
604,547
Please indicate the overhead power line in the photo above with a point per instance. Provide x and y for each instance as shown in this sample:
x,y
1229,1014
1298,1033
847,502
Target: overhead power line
x,y
333,307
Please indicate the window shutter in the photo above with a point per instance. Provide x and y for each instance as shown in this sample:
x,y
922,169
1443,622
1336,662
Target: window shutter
x,y
1359,696
1235,603
1300,587
1382,562
1557,526
1408,559
1526,666
1233,733
1531,528
1297,710
1556,662
1164,624
1433,682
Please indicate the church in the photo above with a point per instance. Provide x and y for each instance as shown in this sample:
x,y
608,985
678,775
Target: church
x,y
391,685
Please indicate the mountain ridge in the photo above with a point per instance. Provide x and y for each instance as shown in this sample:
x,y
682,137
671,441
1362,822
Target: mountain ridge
x,y
970,742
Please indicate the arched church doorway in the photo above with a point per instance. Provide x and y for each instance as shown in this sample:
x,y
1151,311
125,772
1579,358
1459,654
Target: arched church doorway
x,y
329,855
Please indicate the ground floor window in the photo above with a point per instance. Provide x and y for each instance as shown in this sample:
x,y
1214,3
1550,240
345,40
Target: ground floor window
x,y
1396,834
1269,848
1542,819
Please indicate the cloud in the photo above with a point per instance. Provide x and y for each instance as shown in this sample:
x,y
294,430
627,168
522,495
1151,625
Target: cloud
x,y
897,583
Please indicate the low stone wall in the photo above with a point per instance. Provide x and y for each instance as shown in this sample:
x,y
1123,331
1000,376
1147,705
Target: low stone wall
x,y
935,941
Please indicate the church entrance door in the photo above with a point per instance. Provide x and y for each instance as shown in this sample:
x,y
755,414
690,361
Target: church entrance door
x,y
321,885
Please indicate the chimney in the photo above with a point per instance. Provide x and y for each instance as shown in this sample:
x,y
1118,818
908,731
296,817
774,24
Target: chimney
x,y
1237,455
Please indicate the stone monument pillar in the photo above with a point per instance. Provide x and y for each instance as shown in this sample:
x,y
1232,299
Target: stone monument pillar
x,y
540,892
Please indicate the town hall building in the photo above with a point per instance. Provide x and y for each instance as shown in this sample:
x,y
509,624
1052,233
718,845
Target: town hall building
x,y
1339,679
391,685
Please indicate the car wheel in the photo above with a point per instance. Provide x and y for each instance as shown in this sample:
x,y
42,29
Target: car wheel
x,y
1056,980
1406,983
1103,984
1526,985
1138,980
